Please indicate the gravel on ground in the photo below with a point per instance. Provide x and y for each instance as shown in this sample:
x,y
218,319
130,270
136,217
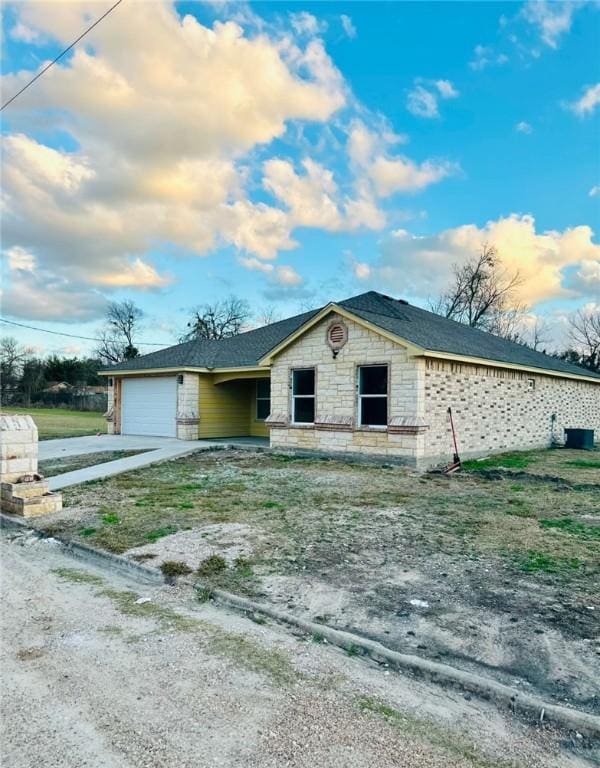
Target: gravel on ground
x,y
99,671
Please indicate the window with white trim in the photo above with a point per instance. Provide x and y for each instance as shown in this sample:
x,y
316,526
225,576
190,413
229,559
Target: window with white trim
x,y
263,399
373,395
303,395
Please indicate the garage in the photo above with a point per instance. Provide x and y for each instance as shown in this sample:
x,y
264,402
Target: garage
x,y
149,406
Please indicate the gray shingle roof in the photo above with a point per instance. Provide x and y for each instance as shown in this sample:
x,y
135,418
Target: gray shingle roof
x,y
418,326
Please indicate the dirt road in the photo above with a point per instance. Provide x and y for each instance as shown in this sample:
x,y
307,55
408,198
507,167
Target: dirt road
x,y
92,676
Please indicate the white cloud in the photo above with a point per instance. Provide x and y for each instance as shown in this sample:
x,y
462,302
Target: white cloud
x,y
286,275
594,191
422,103
421,265
24,34
485,56
446,89
586,279
138,275
40,295
176,175
423,99
588,102
404,175
254,264
361,270
523,127
313,199
19,258
368,151
348,26
306,23
552,20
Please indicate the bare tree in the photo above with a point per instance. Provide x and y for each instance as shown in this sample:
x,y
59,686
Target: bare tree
x,y
12,359
585,335
482,295
538,335
219,320
117,339
267,316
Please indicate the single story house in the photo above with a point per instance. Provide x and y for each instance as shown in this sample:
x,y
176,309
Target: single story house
x,y
367,375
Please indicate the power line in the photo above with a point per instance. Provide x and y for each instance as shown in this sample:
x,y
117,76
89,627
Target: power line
x,y
74,336
60,55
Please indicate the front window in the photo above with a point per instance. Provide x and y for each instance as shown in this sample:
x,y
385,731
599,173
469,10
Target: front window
x,y
263,398
303,396
373,395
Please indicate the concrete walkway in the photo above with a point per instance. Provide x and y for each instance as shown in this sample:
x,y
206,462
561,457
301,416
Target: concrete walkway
x,y
77,446
156,449
117,467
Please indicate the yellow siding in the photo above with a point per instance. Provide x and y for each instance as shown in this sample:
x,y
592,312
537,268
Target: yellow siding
x,y
228,409
257,428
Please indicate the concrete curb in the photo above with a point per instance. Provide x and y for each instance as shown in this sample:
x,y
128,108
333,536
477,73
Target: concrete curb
x,y
89,554
529,707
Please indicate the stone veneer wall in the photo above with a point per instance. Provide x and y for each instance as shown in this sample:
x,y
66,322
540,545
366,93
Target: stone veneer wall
x,y
336,393
188,395
110,407
495,409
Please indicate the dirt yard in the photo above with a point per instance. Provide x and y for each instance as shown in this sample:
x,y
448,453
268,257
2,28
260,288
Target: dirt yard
x,y
493,570
101,672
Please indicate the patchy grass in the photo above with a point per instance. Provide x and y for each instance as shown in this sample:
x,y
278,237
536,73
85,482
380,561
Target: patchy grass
x,y
53,423
583,464
240,578
58,466
453,743
327,510
76,576
573,527
540,561
273,664
158,533
519,460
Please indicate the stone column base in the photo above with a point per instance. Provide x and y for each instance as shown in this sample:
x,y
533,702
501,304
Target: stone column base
x,y
29,499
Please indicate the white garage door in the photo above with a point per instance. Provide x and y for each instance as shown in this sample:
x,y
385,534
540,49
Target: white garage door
x,y
149,406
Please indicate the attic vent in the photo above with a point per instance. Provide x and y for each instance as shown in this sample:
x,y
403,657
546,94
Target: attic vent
x,y
337,336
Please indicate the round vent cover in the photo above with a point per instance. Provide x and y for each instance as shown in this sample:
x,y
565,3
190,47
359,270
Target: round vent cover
x,y
337,335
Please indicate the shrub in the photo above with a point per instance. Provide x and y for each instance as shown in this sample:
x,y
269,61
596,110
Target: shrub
x,y
173,568
213,564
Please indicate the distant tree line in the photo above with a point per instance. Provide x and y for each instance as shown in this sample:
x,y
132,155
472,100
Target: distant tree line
x,y
27,379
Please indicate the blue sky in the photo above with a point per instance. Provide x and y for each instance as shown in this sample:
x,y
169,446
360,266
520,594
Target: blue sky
x,y
293,153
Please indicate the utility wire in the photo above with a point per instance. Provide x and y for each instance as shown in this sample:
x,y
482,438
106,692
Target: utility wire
x,y
60,55
74,336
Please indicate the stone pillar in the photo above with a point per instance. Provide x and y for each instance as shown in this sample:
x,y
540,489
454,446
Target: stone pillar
x,y
188,402
22,490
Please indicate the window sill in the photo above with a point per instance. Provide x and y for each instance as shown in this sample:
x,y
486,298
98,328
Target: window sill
x,y
302,425
365,428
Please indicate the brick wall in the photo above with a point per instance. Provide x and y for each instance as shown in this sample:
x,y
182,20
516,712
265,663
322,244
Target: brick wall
x,y
497,409
336,395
